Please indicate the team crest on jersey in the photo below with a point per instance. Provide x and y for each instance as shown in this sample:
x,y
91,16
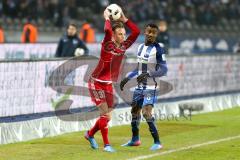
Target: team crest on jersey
x,y
111,47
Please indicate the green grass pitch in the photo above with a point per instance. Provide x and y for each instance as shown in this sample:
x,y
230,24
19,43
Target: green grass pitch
x,y
201,128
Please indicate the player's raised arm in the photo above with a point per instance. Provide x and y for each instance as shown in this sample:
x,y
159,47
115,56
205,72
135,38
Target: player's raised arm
x,y
133,27
107,27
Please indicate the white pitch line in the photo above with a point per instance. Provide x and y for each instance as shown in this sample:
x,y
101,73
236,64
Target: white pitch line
x,y
185,148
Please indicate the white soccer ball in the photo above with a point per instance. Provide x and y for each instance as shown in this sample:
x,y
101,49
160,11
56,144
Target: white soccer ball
x,y
79,52
114,11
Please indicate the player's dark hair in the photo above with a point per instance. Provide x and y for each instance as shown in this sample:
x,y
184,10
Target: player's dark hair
x,y
117,25
152,25
72,24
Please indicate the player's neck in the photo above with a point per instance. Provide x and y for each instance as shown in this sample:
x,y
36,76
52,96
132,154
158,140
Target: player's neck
x,y
116,43
149,43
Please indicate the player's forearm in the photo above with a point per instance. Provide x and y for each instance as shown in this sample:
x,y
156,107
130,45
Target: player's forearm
x,y
133,27
162,70
108,28
132,74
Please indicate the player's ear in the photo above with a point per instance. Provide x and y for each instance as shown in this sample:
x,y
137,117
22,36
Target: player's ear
x,y
145,31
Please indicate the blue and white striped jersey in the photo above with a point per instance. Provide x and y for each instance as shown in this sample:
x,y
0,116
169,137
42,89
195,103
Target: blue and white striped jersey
x,y
150,59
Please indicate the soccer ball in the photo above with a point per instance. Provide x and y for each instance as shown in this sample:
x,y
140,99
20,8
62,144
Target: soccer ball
x,y
114,11
79,52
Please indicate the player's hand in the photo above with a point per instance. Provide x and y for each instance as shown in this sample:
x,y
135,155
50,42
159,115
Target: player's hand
x,y
142,77
123,18
123,82
106,14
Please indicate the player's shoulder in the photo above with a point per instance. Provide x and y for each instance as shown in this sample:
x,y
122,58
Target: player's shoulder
x,y
160,48
160,45
141,45
64,38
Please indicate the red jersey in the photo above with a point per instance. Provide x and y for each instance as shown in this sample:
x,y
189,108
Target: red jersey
x,y
111,56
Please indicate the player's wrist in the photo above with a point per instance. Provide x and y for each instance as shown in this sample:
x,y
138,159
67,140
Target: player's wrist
x,y
125,20
148,74
127,79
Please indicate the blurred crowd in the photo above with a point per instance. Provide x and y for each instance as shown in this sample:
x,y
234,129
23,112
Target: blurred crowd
x,y
186,12
183,12
60,12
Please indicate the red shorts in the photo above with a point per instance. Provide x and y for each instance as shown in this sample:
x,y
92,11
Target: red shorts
x,y
101,92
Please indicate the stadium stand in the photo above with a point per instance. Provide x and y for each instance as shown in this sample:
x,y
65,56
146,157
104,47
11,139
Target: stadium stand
x,y
53,15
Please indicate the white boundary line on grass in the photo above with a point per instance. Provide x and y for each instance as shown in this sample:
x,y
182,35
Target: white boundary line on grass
x,y
185,148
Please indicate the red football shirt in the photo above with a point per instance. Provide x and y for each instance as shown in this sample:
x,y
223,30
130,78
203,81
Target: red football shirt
x,y
111,56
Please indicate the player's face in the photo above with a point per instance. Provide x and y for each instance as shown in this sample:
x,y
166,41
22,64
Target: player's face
x,y
150,34
119,35
71,31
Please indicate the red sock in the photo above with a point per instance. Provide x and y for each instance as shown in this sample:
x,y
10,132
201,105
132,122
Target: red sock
x,y
94,129
103,126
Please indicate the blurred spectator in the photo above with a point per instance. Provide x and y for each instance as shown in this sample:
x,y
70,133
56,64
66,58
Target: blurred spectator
x,y
87,33
10,7
2,37
30,33
183,16
163,36
28,8
200,15
71,45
